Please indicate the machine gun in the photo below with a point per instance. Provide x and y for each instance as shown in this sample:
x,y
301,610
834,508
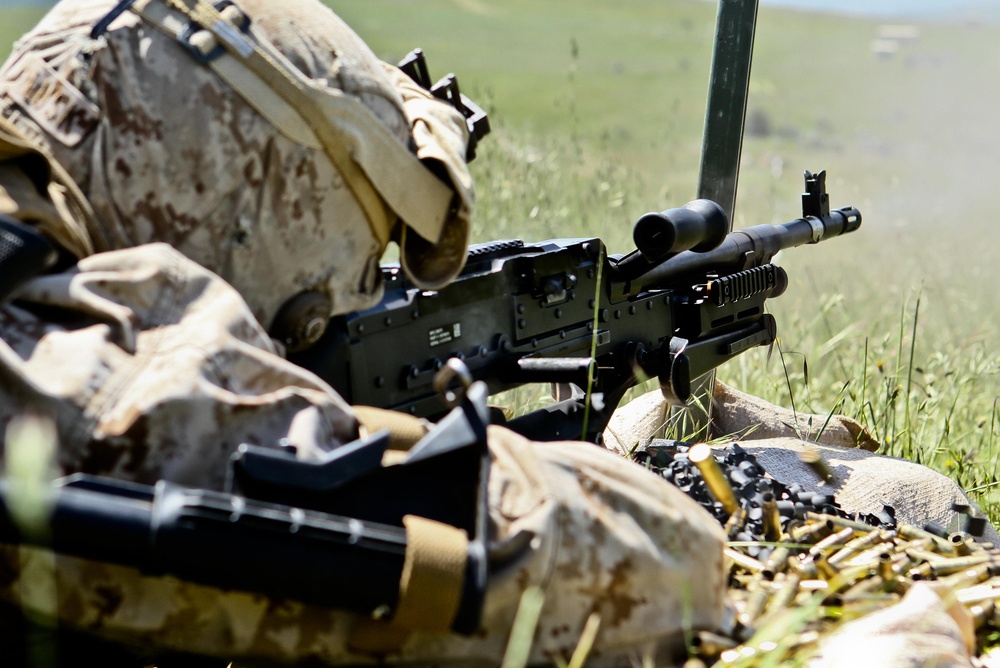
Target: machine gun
x,y
689,298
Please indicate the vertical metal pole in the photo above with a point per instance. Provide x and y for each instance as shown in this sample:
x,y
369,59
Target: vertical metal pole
x,y
725,115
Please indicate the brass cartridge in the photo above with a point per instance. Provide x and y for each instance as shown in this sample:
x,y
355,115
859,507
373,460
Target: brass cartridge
x,y
771,517
701,456
814,460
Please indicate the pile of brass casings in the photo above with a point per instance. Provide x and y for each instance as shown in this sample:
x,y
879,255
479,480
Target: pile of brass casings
x,y
799,571
828,570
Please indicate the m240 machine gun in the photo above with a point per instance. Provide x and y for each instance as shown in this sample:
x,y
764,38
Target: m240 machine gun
x,y
689,298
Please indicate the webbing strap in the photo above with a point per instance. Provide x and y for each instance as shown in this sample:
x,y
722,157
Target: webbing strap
x,y
374,164
430,588
404,430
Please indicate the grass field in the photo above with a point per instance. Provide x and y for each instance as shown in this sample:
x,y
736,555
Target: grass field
x,y
597,112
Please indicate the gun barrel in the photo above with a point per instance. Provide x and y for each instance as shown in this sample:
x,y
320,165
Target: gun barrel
x,y
759,244
263,548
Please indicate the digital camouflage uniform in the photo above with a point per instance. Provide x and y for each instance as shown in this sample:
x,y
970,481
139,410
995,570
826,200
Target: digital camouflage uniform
x,y
194,218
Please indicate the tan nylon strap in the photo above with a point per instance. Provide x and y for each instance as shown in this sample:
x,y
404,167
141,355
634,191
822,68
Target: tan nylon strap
x,y
404,430
372,162
430,587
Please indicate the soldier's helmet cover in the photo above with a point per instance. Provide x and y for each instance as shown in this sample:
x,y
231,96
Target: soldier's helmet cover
x,y
175,136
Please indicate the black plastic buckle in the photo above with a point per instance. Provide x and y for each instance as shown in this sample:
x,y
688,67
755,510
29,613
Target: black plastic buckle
x,y
192,28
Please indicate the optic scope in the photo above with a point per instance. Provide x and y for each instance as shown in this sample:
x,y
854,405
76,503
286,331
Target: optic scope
x,y
698,226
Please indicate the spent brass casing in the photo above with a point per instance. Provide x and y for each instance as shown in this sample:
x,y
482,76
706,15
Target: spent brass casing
x,y
831,541
987,591
755,605
925,555
885,567
735,523
865,587
810,530
910,532
710,645
981,563
771,517
814,460
982,612
960,540
785,591
744,561
842,522
965,577
858,544
701,456
776,561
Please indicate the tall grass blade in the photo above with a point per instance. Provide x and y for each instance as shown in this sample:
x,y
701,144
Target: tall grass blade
x,y
523,631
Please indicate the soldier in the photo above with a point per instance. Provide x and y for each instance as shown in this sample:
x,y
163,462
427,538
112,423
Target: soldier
x,y
201,173
210,174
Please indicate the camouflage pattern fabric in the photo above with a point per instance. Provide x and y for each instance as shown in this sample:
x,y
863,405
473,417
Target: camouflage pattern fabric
x,y
151,357
596,534
165,152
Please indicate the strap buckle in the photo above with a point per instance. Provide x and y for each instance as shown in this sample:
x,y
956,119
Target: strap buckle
x,y
191,30
101,26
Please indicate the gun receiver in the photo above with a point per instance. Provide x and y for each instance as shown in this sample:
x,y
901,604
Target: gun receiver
x,y
563,311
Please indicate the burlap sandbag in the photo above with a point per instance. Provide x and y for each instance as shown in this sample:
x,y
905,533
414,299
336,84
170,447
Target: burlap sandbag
x,y
863,481
735,415
743,416
921,630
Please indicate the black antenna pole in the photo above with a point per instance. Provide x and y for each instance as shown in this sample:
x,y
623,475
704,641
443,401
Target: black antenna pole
x,y
722,144
727,103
